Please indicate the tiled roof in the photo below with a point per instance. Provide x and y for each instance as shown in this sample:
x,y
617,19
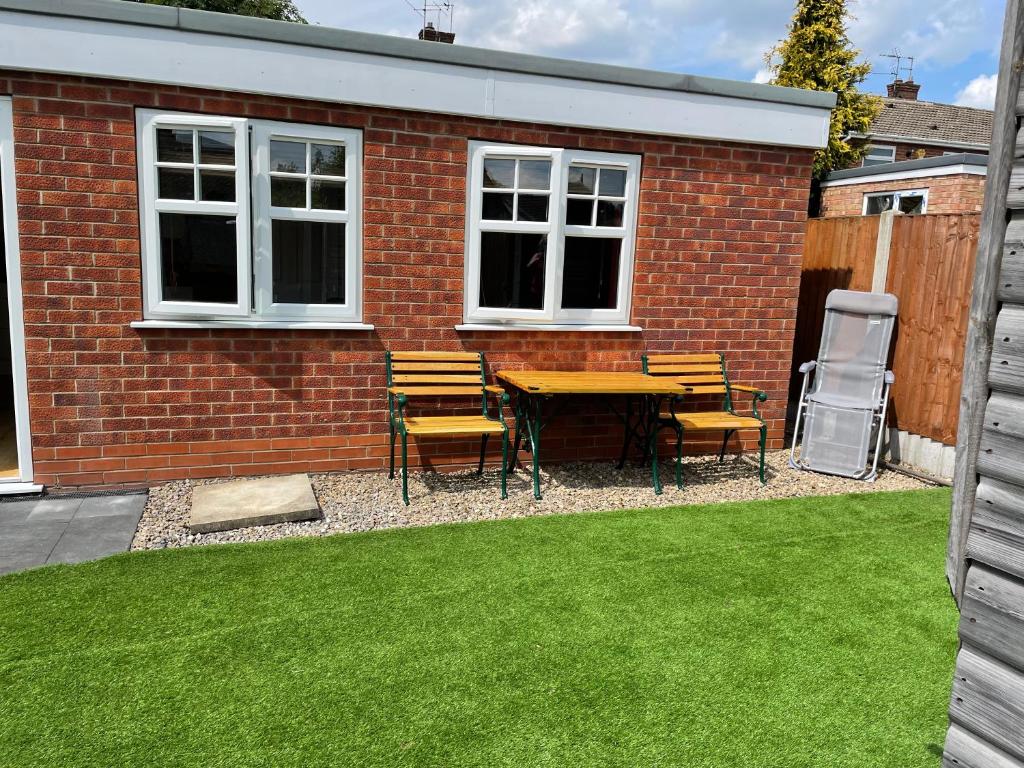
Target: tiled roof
x,y
933,123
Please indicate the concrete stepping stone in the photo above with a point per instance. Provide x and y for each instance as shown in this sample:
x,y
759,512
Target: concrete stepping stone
x,y
244,503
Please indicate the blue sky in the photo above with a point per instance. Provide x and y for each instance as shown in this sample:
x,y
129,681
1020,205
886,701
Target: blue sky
x,y
955,42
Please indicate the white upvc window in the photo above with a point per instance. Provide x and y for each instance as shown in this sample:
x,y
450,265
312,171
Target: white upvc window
x,y
297,259
910,201
550,235
879,154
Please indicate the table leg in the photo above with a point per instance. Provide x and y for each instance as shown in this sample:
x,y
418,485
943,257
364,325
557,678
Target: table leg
x,y
518,440
533,408
653,404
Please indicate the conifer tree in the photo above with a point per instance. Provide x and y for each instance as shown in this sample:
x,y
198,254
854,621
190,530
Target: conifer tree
x,y
817,54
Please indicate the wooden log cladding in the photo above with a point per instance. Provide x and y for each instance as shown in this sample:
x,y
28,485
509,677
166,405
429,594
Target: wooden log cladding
x,y
992,615
988,700
1011,275
996,535
1007,368
965,750
1001,450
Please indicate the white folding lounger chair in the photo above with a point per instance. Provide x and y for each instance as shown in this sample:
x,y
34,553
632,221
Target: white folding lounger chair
x,y
845,392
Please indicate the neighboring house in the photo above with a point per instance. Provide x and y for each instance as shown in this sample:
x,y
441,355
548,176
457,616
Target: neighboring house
x,y
922,157
224,223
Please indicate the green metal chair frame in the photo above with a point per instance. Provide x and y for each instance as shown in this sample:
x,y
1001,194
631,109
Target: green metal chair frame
x,y
442,374
706,374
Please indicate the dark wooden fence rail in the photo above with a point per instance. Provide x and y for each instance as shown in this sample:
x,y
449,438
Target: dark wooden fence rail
x,y
930,270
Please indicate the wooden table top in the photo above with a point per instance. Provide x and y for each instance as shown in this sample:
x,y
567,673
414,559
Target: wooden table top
x,y
590,383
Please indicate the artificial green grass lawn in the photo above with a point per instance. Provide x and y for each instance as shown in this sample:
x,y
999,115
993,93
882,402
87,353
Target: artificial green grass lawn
x,y
807,632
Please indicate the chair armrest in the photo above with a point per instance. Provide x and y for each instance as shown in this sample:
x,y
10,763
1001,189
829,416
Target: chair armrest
x,y
498,392
758,393
890,378
808,367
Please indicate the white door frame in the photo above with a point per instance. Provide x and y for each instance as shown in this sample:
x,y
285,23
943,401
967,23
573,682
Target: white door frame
x,y
19,368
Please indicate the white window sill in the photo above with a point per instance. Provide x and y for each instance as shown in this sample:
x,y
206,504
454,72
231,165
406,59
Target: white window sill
x,y
299,325
547,327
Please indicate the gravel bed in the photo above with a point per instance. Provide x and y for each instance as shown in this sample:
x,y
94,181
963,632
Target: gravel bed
x,y
363,501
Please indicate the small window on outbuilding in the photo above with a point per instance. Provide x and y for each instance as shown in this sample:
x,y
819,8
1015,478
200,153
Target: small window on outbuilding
x,y
909,201
879,154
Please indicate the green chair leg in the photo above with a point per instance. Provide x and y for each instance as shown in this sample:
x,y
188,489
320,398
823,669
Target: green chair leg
x,y
391,465
763,442
483,453
504,464
679,455
405,470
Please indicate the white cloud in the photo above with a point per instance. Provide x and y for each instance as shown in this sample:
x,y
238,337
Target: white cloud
x,y
728,39
980,92
762,76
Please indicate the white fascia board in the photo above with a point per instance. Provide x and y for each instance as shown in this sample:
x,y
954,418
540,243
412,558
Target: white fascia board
x,y
919,173
163,55
893,138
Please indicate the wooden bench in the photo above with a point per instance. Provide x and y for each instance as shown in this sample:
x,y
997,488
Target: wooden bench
x,y
442,375
705,374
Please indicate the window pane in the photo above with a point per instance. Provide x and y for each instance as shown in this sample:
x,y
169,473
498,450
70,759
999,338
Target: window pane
x,y
590,274
217,185
328,194
309,262
581,180
217,147
534,174
498,207
533,208
288,156
911,204
512,270
198,258
499,174
578,211
175,184
287,193
174,145
613,182
879,203
609,212
327,159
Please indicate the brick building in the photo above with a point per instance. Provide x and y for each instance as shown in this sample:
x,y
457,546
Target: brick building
x,y
215,226
923,157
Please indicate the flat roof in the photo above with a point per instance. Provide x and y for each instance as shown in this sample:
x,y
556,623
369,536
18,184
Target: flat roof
x,y
310,35
921,164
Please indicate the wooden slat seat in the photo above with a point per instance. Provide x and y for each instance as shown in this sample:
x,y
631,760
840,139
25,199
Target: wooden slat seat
x,y
431,375
452,425
705,374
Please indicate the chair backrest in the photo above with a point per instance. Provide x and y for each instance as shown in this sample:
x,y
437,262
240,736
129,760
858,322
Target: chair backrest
x,y
701,374
437,374
854,347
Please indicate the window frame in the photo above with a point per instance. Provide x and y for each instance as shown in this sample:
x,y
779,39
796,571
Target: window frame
x,y
254,214
264,307
151,206
556,231
896,195
891,148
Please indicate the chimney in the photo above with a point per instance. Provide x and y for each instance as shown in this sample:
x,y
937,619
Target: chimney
x,y
436,35
902,89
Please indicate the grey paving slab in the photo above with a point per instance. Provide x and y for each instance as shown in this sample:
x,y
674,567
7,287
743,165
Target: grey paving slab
x,y
103,506
242,503
17,510
55,509
90,538
66,530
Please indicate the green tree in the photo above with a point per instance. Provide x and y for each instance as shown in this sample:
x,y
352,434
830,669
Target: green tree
x,y
817,54
282,10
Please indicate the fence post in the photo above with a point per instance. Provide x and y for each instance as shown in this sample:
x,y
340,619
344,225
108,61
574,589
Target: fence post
x,y
882,244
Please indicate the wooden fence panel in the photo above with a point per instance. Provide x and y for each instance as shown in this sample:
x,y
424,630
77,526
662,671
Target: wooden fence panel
x,y
838,253
930,270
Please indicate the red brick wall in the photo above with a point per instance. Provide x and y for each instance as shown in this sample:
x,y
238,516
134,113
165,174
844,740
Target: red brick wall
x,y
717,268
961,193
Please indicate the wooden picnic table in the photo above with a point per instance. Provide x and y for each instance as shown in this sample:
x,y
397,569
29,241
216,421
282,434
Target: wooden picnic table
x,y
533,390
